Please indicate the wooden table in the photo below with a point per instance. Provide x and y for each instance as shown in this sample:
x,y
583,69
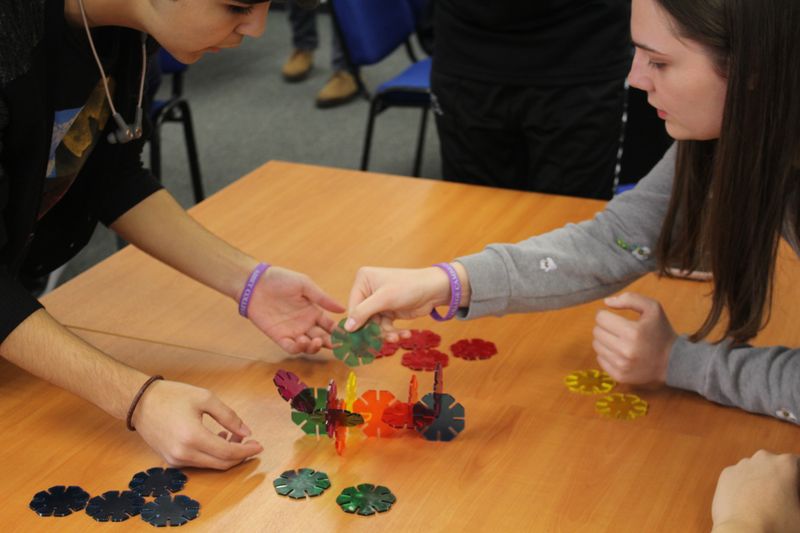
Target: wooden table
x,y
534,456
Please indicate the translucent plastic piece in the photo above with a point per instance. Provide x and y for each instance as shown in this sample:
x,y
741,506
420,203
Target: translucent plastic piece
x,y
301,483
59,500
621,406
371,405
472,349
388,349
420,340
589,382
424,359
358,347
115,506
366,499
169,511
288,384
351,391
313,423
399,415
294,391
448,417
157,481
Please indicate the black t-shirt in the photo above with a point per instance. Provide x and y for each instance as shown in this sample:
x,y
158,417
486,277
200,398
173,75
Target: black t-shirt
x,y
533,42
80,105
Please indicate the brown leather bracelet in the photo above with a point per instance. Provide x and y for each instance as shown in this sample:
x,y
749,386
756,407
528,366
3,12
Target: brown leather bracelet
x,y
136,399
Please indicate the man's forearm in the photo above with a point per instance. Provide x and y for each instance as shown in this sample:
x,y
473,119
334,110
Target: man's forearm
x,y
49,351
159,226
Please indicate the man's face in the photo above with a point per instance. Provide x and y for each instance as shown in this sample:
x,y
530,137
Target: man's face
x,y
187,29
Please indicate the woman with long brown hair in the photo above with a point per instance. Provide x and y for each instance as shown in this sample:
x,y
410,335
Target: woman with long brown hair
x,y
724,76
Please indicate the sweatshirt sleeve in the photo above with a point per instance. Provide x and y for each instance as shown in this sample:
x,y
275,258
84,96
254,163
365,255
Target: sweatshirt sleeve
x,y
759,380
17,303
579,262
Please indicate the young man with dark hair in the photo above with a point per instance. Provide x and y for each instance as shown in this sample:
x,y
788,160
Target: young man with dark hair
x,y
70,156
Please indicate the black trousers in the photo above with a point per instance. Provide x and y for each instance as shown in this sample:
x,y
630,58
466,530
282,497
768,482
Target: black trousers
x,y
561,140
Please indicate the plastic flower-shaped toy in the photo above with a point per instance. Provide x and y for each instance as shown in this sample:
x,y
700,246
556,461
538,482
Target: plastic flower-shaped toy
x,y
302,483
471,349
114,505
371,406
621,406
313,423
589,382
424,359
157,482
420,340
358,347
439,417
168,511
59,500
366,499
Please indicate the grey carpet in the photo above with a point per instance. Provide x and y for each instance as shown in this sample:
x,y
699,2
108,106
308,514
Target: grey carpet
x,y
246,115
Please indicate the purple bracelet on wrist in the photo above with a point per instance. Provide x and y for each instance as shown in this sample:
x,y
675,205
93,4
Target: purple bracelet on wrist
x,y
255,275
455,293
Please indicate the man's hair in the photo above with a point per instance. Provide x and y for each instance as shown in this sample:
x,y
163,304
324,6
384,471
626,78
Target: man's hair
x,y
732,197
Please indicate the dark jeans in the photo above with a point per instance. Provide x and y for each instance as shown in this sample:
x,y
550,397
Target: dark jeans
x,y
305,36
561,140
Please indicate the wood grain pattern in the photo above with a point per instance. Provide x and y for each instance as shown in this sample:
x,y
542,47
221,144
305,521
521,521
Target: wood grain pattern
x,y
534,456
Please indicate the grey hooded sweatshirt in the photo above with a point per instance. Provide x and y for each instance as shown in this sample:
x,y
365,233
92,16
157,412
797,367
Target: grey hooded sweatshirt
x,y
583,262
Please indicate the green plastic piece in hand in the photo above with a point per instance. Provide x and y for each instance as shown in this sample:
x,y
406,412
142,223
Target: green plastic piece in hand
x,y
366,499
359,347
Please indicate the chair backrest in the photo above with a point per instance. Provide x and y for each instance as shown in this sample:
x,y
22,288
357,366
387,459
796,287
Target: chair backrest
x,y
372,29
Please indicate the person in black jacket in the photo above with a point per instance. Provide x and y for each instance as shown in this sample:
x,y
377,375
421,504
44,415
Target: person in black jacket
x,y
530,95
70,156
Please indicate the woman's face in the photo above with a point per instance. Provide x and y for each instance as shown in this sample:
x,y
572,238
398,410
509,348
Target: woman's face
x,y
678,75
187,29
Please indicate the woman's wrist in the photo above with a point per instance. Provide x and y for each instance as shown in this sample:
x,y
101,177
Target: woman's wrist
x,y
463,277
443,285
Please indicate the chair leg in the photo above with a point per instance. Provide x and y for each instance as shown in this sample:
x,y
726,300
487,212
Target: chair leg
x,y
373,111
191,151
155,150
420,143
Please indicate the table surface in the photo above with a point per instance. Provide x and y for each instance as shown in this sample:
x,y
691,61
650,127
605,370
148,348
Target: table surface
x,y
533,456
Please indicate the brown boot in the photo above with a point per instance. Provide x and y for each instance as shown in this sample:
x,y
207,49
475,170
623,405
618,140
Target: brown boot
x,y
298,65
340,89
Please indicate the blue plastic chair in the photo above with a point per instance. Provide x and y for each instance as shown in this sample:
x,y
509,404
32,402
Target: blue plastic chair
x,y
174,109
369,31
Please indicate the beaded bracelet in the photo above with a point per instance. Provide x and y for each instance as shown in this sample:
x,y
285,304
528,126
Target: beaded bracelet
x,y
455,293
247,293
135,402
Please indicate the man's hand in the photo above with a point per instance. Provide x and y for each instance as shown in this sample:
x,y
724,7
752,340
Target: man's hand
x,y
634,351
290,309
759,493
169,417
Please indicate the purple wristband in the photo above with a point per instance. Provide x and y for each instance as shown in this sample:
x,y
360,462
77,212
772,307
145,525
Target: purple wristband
x,y
455,293
255,275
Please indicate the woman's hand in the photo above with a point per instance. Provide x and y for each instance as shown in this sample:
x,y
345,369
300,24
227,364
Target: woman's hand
x,y
169,417
634,351
290,309
388,294
759,493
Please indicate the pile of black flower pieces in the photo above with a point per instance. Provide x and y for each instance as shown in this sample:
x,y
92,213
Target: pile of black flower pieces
x,y
116,506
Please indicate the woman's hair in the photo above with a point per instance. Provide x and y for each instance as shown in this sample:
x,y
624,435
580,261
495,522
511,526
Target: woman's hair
x,y
733,196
